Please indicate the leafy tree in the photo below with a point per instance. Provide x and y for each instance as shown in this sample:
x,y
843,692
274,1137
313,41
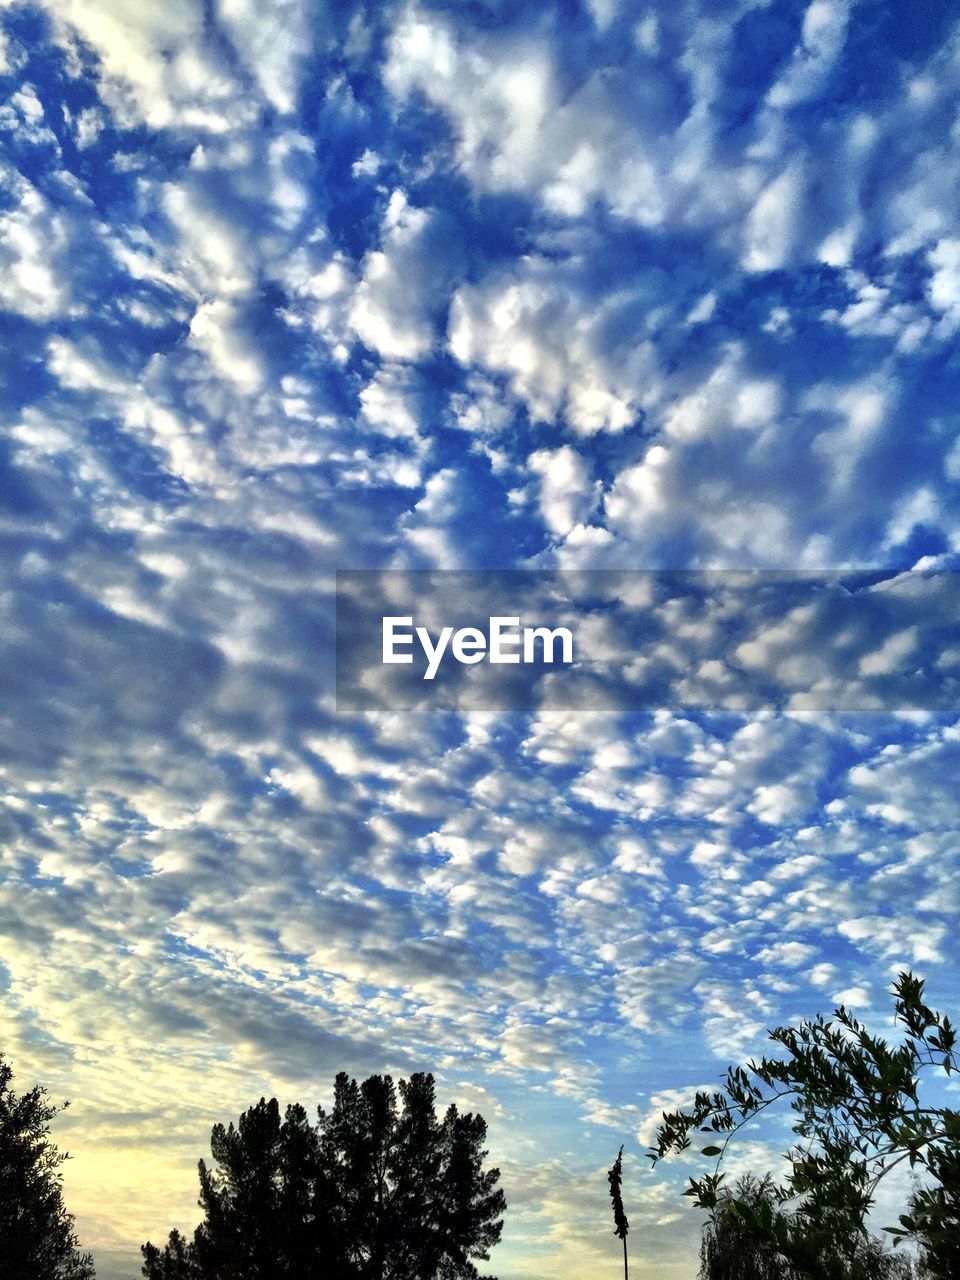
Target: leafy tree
x,y
730,1249
934,1215
378,1189
857,1115
37,1237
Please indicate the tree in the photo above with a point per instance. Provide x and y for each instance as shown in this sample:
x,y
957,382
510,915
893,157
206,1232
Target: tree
x,y
731,1250
173,1262
37,1236
934,1215
857,1115
378,1189
728,1249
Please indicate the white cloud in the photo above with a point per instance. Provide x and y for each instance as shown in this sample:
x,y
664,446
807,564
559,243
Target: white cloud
x,y
33,243
728,398
944,285
822,38
137,82
272,43
551,344
516,128
790,955
890,657
768,780
568,495
773,222
403,283
216,330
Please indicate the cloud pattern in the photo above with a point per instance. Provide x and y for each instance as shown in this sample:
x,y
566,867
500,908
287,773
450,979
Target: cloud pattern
x,y
292,288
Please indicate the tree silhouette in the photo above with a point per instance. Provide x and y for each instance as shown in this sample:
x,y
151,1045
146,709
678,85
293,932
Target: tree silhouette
x,y
173,1262
933,1218
620,1224
857,1115
37,1237
731,1249
378,1189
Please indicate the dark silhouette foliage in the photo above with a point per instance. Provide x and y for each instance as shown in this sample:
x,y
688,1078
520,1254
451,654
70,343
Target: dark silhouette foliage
x,y
378,1189
731,1248
933,1218
857,1115
173,1262
620,1224
37,1236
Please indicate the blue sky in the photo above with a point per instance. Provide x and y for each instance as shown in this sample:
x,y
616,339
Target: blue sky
x,y
292,288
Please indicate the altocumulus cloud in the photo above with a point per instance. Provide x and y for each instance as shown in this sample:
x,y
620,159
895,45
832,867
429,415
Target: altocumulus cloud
x,y
293,287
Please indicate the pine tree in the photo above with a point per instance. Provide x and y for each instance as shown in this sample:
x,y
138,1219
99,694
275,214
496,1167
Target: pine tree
x,y
379,1189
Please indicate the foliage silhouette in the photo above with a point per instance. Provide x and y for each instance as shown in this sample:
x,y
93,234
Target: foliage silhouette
x,y
858,1114
731,1250
728,1249
37,1236
934,1215
378,1189
620,1224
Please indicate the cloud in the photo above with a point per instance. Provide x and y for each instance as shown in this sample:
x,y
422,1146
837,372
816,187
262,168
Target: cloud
x,y
403,284
33,241
293,290
771,224
944,285
135,81
822,37
567,496
525,328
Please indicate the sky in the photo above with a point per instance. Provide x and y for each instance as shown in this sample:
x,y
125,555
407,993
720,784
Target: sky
x,y
656,305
